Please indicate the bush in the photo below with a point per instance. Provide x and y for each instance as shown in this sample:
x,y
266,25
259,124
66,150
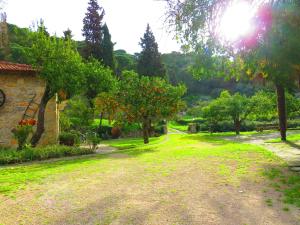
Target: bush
x,y
68,139
9,156
226,126
104,132
92,140
22,132
115,132
158,130
130,127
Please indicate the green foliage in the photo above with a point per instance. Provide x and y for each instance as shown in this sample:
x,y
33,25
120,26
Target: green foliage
x,y
92,140
149,60
277,52
107,48
235,107
214,113
64,122
68,138
79,114
92,30
124,61
106,103
104,132
264,106
130,127
293,106
159,100
59,64
21,133
9,156
68,34
97,79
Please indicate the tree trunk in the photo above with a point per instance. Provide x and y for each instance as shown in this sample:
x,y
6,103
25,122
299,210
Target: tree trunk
x,y
41,117
150,131
237,126
146,131
281,111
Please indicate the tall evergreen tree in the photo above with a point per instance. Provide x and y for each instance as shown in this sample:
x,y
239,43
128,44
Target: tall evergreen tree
x,y
68,34
107,48
149,60
42,28
4,40
92,30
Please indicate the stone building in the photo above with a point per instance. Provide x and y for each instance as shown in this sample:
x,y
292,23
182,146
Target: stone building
x,y
21,91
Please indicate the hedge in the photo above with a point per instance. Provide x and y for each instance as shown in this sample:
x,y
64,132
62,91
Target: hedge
x,y
10,156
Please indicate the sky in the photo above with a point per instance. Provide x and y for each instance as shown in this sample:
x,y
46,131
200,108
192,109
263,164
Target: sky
x,y
126,19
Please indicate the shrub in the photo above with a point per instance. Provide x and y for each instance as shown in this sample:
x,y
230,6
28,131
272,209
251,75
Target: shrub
x,y
92,140
22,132
9,156
104,132
130,127
158,130
115,132
225,126
68,139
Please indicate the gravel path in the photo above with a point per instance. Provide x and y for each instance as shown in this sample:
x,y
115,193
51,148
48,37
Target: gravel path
x,y
289,151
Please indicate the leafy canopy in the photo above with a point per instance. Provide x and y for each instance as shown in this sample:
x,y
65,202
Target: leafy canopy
x,y
57,61
147,98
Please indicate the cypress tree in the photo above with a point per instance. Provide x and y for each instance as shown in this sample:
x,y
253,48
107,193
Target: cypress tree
x,y
92,30
4,40
68,34
108,49
149,60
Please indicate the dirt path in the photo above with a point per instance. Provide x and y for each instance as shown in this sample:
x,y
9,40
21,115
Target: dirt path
x,y
288,151
174,131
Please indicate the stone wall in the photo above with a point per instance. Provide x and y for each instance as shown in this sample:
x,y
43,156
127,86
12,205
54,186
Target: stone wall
x,y
19,90
50,135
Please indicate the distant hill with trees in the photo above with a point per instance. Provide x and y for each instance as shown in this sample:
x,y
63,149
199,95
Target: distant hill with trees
x,y
177,67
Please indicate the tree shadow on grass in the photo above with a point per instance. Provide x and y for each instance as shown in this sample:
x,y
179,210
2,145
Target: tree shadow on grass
x,y
292,144
14,177
125,208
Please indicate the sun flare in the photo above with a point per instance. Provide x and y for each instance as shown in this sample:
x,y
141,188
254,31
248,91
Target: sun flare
x,y
236,21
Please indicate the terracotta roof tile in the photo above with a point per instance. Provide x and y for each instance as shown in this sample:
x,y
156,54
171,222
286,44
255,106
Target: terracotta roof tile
x,y
15,67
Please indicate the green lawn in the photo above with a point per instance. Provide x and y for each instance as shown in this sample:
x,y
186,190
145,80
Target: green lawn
x,y
177,126
174,179
105,122
291,137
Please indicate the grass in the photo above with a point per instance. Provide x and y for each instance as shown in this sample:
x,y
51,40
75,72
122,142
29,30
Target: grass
x,y
287,183
159,150
167,160
105,122
291,137
177,126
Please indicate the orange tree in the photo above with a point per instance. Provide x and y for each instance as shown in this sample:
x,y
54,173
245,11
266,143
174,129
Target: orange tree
x,y
148,100
59,64
107,104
